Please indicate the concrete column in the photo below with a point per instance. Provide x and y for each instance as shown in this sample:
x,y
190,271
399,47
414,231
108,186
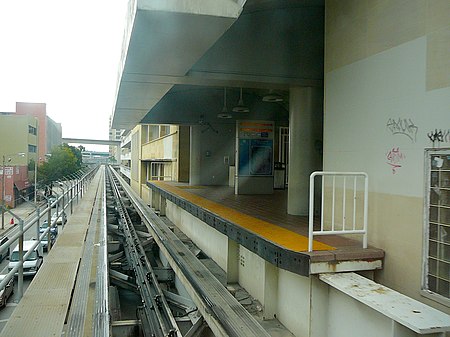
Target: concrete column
x,y
195,155
305,144
270,291
156,198
233,262
118,153
162,205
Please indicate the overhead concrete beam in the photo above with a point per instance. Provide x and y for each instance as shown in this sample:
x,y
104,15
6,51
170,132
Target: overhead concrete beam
x,y
91,141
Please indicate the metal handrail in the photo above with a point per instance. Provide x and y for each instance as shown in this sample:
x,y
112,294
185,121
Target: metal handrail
x,y
164,177
85,177
335,229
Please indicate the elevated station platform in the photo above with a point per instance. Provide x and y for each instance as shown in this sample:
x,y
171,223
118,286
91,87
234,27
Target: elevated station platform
x,y
261,224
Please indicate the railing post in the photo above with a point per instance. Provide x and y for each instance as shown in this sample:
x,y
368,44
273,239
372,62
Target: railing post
x,y
71,198
63,203
49,220
366,208
311,211
38,213
20,271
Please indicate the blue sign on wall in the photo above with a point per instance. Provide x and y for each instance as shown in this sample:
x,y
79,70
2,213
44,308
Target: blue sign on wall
x,y
255,157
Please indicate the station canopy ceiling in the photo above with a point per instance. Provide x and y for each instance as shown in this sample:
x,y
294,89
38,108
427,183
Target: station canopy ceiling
x,y
181,55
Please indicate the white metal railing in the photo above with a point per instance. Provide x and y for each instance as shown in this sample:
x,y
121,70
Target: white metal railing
x,y
341,226
82,178
161,170
125,156
126,171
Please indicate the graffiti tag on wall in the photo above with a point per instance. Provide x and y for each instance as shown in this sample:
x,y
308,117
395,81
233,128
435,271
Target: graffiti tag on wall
x,y
440,136
403,126
394,159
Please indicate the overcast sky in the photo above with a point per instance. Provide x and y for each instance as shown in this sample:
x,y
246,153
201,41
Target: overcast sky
x,y
65,54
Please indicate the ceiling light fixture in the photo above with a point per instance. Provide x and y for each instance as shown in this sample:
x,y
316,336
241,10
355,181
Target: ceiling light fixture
x,y
272,97
241,106
224,114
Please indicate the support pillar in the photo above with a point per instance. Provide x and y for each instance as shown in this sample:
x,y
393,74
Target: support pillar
x,y
118,155
233,262
162,205
195,155
156,198
270,294
305,144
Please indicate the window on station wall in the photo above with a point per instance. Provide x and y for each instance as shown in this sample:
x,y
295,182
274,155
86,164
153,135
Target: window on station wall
x,y
153,132
164,130
32,130
32,148
145,133
159,171
436,274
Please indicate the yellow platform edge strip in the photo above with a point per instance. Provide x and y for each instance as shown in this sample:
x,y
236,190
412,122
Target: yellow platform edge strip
x,y
271,232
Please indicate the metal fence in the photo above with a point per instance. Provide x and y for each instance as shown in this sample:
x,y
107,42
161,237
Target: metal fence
x,y
73,188
343,206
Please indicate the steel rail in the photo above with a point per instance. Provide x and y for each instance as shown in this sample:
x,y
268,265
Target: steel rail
x,y
223,313
157,316
101,322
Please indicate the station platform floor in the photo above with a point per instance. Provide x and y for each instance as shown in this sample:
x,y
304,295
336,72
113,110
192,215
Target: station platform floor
x,y
258,213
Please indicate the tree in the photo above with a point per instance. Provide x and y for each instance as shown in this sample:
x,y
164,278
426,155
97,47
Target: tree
x,y
64,160
31,165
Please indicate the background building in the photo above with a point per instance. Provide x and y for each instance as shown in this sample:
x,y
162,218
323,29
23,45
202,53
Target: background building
x,y
50,132
29,131
18,147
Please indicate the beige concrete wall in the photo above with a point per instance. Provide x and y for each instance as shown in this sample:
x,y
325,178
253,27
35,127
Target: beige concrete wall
x,y
146,194
387,84
357,29
161,148
15,138
212,242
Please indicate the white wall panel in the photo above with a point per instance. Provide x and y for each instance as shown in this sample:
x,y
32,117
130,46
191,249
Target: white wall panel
x,y
363,100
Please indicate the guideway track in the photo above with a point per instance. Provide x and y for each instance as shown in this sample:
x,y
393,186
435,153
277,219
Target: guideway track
x,y
223,313
156,317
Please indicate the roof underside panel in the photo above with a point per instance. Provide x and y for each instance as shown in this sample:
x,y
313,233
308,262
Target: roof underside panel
x,y
167,38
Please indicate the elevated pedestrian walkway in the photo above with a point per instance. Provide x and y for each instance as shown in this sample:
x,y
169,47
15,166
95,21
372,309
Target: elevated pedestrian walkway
x,y
44,307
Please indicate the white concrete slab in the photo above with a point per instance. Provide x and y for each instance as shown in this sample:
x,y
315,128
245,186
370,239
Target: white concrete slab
x,y
404,310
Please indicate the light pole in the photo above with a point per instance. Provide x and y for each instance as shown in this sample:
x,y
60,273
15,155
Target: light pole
x,y
35,177
70,188
37,208
21,154
35,174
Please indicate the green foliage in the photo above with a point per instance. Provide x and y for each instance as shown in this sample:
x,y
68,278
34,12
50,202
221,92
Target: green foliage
x,y
31,165
64,160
